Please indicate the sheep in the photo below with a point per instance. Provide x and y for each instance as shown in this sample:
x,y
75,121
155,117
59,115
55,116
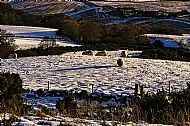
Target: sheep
x,y
12,56
102,53
120,62
124,53
88,52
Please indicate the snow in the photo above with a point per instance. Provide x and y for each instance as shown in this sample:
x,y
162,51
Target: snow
x,y
47,7
166,42
74,71
54,121
34,35
29,31
174,20
170,40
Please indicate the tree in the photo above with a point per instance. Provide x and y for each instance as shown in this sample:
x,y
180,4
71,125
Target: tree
x,y
158,44
7,44
70,28
47,42
90,32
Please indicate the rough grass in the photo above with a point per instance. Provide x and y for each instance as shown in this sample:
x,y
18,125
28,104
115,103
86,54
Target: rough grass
x,y
163,4
169,3
181,27
151,6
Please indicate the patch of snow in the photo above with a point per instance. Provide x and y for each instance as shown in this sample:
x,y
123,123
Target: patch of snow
x,y
34,35
166,42
169,40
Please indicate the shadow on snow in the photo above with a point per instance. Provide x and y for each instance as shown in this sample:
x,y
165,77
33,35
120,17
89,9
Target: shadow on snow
x,y
83,68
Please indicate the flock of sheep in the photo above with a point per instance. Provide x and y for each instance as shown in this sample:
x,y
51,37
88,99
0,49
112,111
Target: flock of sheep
x,y
120,62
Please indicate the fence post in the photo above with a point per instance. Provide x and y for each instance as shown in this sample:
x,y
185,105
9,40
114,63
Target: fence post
x,y
170,87
92,90
141,90
136,89
49,85
163,91
188,85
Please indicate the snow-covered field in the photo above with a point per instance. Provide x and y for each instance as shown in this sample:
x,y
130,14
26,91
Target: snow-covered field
x,y
72,71
56,120
33,36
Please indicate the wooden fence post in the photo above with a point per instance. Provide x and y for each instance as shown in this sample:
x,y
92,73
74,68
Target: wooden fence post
x,y
136,89
170,87
49,85
141,90
188,85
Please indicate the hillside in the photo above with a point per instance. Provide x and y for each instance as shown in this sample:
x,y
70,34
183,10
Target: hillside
x,y
43,8
174,6
109,12
97,33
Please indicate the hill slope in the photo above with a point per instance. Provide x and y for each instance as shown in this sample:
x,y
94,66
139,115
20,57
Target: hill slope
x,y
43,8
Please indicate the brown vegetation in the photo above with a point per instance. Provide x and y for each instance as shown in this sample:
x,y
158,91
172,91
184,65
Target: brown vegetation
x,y
152,108
170,3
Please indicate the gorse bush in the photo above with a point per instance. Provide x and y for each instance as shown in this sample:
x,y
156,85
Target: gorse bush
x,y
10,95
177,54
158,109
151,108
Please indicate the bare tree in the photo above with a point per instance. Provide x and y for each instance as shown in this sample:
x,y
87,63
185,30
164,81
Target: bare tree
x,y
47,42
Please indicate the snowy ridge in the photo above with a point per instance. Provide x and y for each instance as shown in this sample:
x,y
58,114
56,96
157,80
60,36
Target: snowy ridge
x,y
42,7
